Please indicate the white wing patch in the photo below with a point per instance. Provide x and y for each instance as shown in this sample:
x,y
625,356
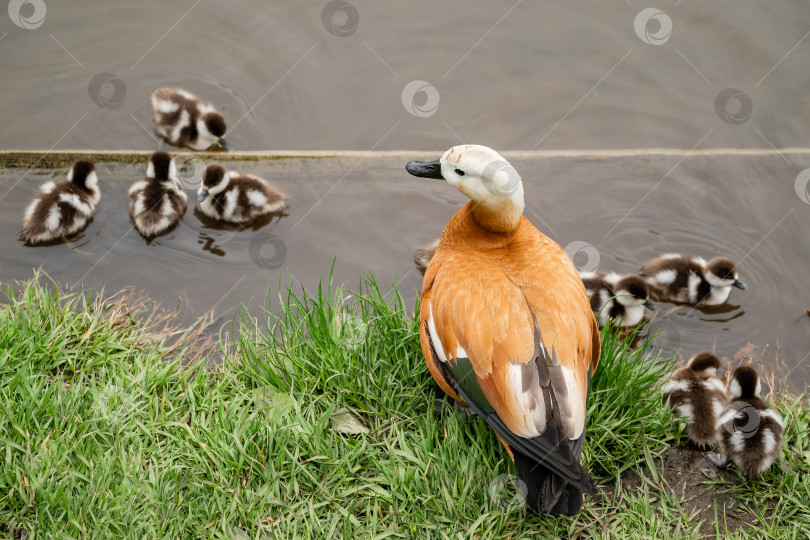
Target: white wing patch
x,y
182,122
612,278
230,203
531,407
685,409
137,186
768,441
53,220
575,399
692,286
76,202
434,337
31,208
665,277
165,106
773,415
675,385
166,208
256,197
714,384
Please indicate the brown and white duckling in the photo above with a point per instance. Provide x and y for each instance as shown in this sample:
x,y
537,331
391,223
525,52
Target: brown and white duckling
x,y
697,393
64,207
692,280
622,298
186,120
237,198
423,256
748,431
157,202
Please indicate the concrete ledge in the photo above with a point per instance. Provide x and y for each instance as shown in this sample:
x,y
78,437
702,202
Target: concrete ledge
x,y
49,159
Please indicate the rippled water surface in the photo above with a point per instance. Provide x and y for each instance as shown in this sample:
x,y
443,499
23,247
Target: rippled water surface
x,y
298,74
420,75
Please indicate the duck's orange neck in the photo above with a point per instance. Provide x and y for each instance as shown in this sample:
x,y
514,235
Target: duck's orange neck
x,y
471,226
499,217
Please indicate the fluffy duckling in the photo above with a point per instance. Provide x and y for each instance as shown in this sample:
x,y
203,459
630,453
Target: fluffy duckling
x,y
62,208
237,198
692,280
186,120
157,202
422,256
748,431
696,392
506,327
621,298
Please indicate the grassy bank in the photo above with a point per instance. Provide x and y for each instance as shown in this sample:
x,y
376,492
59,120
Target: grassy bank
x,y
110,426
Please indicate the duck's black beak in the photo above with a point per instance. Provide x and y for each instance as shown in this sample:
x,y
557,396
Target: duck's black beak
x,y
739,284
425,169
223,144
649,305
203,195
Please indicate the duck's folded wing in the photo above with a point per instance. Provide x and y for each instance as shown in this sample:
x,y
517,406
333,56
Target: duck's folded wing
x,y
485,344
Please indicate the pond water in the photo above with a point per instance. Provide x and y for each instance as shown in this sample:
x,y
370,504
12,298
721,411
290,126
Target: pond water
x,y
296,74
366,75
367,214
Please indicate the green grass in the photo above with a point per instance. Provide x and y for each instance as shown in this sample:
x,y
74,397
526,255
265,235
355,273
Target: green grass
x,y
109,430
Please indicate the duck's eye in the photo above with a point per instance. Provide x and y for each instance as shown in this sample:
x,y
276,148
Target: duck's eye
x,y
459,172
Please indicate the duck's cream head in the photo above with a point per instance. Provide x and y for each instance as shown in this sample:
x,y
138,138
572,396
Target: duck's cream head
x,y
484,176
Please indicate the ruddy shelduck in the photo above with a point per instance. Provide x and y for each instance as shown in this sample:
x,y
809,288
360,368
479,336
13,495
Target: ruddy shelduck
x,y
507,329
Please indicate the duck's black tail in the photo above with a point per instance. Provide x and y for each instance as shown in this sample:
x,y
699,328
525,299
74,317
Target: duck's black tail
x,y
549,493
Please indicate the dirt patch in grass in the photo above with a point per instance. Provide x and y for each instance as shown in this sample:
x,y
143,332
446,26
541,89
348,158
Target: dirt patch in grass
x,y
701,487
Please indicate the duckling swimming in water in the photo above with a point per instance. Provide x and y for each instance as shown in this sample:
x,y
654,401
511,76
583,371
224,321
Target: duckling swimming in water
x,y
157,202
237,198
696,392
691,280
422,257
186,120
749,432
62,208
617,297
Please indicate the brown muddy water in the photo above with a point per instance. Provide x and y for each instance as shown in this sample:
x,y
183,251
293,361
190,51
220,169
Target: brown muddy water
x,y
372,76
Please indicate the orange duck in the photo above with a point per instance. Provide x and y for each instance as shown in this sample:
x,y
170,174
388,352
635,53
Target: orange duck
x,y
507,328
